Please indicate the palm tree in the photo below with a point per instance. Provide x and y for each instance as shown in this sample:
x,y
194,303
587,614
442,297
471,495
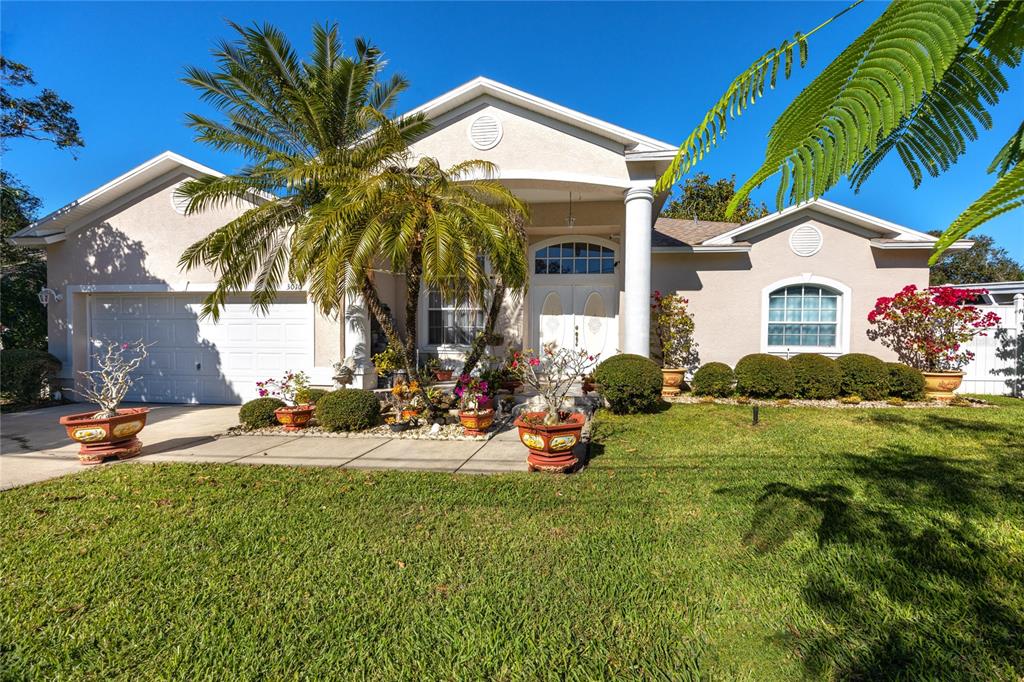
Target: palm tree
x,y
919,81
305,128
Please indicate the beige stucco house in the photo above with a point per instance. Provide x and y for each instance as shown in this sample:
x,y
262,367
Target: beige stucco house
x,y
799,280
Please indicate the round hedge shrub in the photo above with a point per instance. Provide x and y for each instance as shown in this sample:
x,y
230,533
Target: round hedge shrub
x,y
26,374
630,383
715,379
761,375
817,377
348,409
864,375
310,396
259,413
905,382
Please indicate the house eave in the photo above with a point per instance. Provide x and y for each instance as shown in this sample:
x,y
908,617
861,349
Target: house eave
x,y
701,248
960,245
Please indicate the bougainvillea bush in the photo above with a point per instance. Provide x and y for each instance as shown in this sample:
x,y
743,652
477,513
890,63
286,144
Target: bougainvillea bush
x,y
674,326
928,328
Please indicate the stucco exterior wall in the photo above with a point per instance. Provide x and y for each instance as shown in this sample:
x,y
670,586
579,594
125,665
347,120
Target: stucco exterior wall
x,y
139,242
725,290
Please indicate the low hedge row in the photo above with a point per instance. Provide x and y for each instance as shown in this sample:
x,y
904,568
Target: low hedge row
x,y
27,375
811,376
348,409
630,383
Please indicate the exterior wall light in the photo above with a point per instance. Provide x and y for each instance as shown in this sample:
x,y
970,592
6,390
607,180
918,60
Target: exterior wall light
x,y
46,294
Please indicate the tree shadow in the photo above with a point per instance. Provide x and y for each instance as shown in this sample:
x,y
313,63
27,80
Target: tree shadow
x,y
1010,352
915,574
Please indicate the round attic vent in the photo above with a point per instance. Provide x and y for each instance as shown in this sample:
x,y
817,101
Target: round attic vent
x,y
805,240
178,202
485,132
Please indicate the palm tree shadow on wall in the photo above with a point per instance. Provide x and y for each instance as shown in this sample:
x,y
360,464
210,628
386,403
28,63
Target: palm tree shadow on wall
x,y
908,579
181,367
1010,353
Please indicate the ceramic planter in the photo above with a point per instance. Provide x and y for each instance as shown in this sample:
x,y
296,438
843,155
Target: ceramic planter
x,y
294,418
476,423
551,447
443,374
104,437
671,381
410,414
510,385
940,385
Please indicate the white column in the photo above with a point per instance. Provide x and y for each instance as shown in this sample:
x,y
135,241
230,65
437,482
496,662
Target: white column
x,y
357,341
637,300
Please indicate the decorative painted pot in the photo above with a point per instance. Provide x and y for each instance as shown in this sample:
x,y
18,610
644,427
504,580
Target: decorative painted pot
x,y
476,423
443,374
410,414
551,447
104,437
671,380
940,385
294,418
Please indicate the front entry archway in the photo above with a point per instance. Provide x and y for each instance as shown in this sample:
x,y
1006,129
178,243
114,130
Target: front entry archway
x,y
575,294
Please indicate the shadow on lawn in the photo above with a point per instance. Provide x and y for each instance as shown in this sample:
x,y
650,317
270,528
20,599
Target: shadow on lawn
x,y
915,575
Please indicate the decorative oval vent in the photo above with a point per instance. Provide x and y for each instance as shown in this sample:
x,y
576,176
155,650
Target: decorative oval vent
x,y
805,240
178,202
485,132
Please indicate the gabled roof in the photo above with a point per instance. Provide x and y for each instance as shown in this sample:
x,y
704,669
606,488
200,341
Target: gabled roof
x,y
53,227
637,146
670,232
890,235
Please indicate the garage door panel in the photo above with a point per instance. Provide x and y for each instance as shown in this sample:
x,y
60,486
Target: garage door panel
x,y
197,360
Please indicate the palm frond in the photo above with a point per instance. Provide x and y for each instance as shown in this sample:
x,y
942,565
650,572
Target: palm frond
x,y
1005,195
1010,154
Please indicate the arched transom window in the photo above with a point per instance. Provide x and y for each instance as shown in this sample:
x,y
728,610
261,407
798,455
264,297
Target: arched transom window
x,y
804,316
574,258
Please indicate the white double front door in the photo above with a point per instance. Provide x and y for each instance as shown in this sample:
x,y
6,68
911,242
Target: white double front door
x,y
583,316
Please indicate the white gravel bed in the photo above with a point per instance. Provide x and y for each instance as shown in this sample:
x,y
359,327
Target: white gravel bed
x,y
424,432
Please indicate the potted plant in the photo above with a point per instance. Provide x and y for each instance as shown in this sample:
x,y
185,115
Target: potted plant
x,y
551,434
290,388
388,363
674,326
437,368
407,400
112,431
475,411
927,329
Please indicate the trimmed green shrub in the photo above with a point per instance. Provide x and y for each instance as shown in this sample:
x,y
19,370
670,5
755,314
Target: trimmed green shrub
x,y
630,383
259,413
715,379
817,377
27,374
348,409
864,375
761,375
905,381
310,396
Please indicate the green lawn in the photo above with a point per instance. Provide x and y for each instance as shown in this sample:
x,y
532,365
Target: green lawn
x,y
863,544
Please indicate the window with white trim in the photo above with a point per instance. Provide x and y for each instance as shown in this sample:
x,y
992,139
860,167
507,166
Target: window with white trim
x,y
450,322
574,258
804,316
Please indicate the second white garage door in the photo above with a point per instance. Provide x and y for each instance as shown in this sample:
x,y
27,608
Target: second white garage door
x,y
199,361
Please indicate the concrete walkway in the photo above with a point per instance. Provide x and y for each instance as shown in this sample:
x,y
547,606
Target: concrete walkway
x,y
34,446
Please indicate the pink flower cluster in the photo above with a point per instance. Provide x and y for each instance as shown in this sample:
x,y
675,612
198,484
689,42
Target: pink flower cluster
x,y
928,328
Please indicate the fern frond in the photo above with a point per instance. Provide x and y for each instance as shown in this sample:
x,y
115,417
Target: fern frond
x,y
862,96
743,92
1010,155
1006,195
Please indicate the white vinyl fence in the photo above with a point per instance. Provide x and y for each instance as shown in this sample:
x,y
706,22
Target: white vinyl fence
x,y
998,365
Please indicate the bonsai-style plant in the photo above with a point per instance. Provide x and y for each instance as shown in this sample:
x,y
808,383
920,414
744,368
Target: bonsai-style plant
x,y
928,329
475,411
673,326
111,431
290,388
551,434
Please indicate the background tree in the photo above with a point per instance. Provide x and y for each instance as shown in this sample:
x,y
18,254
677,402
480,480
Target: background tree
x,y
919,81
45,117
702,199
983,262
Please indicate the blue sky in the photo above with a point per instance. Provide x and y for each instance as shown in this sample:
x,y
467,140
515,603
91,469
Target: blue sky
x,y
651,67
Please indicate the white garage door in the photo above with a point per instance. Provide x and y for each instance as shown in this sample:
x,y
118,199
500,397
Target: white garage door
x,y
199,361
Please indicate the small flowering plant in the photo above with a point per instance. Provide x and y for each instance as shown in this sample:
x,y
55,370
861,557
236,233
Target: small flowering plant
x,y
471,391
286,388
928,328
674,326
552,373
405,395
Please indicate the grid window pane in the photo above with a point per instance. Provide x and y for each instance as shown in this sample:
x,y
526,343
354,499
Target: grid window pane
x,y
814,308
451,322
574,258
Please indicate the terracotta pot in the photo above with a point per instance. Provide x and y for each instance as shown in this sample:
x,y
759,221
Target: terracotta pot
x,y
410,414
443,375
106,436
671,380
551,447
940,385
476,423
588,385
294,418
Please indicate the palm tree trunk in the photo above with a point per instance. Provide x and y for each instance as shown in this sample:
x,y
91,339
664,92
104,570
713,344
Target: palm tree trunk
x,y
480,342
382,314
413,283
